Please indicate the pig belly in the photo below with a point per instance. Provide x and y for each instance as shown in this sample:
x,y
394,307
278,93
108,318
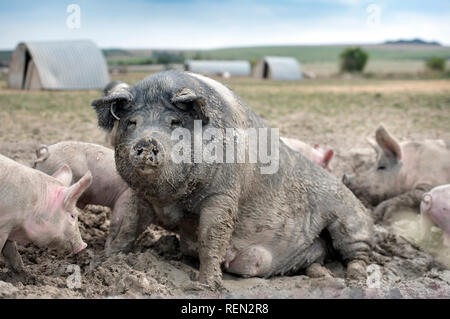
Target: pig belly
x,y
249,262
261,261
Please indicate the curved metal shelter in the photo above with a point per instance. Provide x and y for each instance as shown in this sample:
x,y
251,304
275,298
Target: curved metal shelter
x,y
278,68
220,68
58,65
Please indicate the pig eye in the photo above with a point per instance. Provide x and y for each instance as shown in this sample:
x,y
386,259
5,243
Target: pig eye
x,y
131,124
72,216
381,168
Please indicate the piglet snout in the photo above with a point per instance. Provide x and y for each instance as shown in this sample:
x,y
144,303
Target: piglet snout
x,y
426,202
82,247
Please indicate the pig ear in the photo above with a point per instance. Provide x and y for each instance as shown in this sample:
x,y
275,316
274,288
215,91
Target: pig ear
x,y
76,190
42,154
187,100
114,86
64,175
388,143
327,157
112,107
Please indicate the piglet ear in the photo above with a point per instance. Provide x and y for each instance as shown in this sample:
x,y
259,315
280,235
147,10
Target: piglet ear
x,y
388,143
76,190
42,154
327,157
64,175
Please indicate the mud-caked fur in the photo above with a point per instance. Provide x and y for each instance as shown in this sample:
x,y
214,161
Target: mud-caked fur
x,y
222,210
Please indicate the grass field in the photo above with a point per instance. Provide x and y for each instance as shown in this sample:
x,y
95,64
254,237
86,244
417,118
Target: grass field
x,y
336,112
329,53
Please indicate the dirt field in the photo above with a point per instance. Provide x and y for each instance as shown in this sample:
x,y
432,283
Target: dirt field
x,y
339,113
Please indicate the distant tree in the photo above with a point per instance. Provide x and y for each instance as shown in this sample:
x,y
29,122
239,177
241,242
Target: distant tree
x,y
436,63
164,57
197,56
353,60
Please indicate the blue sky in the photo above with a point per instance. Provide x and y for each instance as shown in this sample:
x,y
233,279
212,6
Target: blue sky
x,y
225,23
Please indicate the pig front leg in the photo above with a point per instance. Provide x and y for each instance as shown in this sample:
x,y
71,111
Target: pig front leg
x,y
13,257
217,217
121,207
409,199
133,217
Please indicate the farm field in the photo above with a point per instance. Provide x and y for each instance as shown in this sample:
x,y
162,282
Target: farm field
x,y
339,113
330,53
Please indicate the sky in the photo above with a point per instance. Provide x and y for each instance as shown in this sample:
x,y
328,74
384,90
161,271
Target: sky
x,y
201,24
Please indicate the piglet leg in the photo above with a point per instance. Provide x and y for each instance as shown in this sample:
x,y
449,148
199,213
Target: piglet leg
x,y
12,256
120,209
409,199
135,218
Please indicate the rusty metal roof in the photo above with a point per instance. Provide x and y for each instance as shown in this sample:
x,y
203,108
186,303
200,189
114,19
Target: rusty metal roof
x,y
69,65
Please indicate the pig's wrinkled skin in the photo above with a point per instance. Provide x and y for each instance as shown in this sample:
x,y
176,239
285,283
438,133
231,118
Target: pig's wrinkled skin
x,y
402,173
228,214
107,188
435,210
314,154
38,208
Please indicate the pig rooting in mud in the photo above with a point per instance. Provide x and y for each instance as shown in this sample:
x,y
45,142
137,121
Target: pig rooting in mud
x,y
38,208
402,173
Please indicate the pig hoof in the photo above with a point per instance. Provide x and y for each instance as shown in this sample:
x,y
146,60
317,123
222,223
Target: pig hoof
x,y
214,283
318,271
199,286
356,270
23,277
195,286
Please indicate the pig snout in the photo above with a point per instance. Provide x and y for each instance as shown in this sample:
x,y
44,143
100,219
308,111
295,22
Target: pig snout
x,y
81,248
427,200
147,154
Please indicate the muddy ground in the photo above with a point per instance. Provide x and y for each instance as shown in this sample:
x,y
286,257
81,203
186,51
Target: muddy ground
x,y
339,114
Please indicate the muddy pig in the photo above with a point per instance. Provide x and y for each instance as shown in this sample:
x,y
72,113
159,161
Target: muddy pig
x,y
38,208
435,210
270,212
315,154
107,188
402,173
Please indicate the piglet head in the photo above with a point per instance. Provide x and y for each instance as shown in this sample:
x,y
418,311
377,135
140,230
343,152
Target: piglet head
x,y
69,237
